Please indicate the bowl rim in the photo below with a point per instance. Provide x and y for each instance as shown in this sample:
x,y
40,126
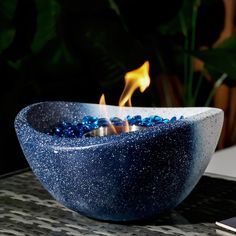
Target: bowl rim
x,y
62,143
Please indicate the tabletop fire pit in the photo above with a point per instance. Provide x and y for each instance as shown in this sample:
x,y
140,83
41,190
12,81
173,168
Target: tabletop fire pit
x,y
123,176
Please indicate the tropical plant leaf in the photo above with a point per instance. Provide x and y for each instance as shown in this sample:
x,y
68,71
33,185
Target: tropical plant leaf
x,y
229,43
182,22
110,50
61,54
106,60
6,38
48,12
7,10
114,6
55,55
16,64
219,60
7,31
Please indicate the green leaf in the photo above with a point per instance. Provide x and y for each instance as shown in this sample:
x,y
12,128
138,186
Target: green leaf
x,y
61,54
111,50
7,10
182,22
6,38
7,32
16,64
229,43
219,60
48,12
114,6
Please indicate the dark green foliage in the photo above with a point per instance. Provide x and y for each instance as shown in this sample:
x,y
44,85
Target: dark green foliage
x,y
105,38
221,59
77,49
7,31
182,21
47,20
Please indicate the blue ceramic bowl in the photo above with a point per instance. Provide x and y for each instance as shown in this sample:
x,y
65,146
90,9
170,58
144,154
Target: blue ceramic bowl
x,y
130,176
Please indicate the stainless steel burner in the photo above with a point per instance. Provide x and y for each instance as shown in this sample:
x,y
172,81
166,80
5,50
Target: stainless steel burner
x,y
112,130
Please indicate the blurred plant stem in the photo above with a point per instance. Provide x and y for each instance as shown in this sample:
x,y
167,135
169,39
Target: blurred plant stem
x,y
217,84
186,56
199,83
189,99
115,7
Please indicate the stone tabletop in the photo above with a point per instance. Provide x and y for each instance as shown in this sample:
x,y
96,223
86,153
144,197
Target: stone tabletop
x,y
27,209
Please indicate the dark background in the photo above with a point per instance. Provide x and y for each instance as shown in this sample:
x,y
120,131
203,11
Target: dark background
x,y
76,50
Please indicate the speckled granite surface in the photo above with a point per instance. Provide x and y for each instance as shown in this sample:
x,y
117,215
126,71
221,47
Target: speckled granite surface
x,y
130,176
27,209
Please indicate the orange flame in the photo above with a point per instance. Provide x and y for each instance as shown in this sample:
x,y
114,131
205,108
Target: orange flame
x,y
102,100
135,79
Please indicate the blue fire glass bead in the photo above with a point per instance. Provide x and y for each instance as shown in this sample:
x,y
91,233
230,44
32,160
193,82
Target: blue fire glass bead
x,y
152,118
102,122
58,131
117,121
147,122
165,121
87,128
130,120
65,124
94,125
68,132
156,119
89,120
78,130
137,120
89,123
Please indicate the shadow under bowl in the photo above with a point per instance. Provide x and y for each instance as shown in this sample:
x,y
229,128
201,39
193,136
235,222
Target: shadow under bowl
x,y
129,176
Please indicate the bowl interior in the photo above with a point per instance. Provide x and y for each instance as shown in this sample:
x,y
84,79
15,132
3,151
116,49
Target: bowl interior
x,y
42,116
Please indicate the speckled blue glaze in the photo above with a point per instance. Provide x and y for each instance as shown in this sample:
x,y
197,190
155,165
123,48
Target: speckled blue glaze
x,y
130,176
